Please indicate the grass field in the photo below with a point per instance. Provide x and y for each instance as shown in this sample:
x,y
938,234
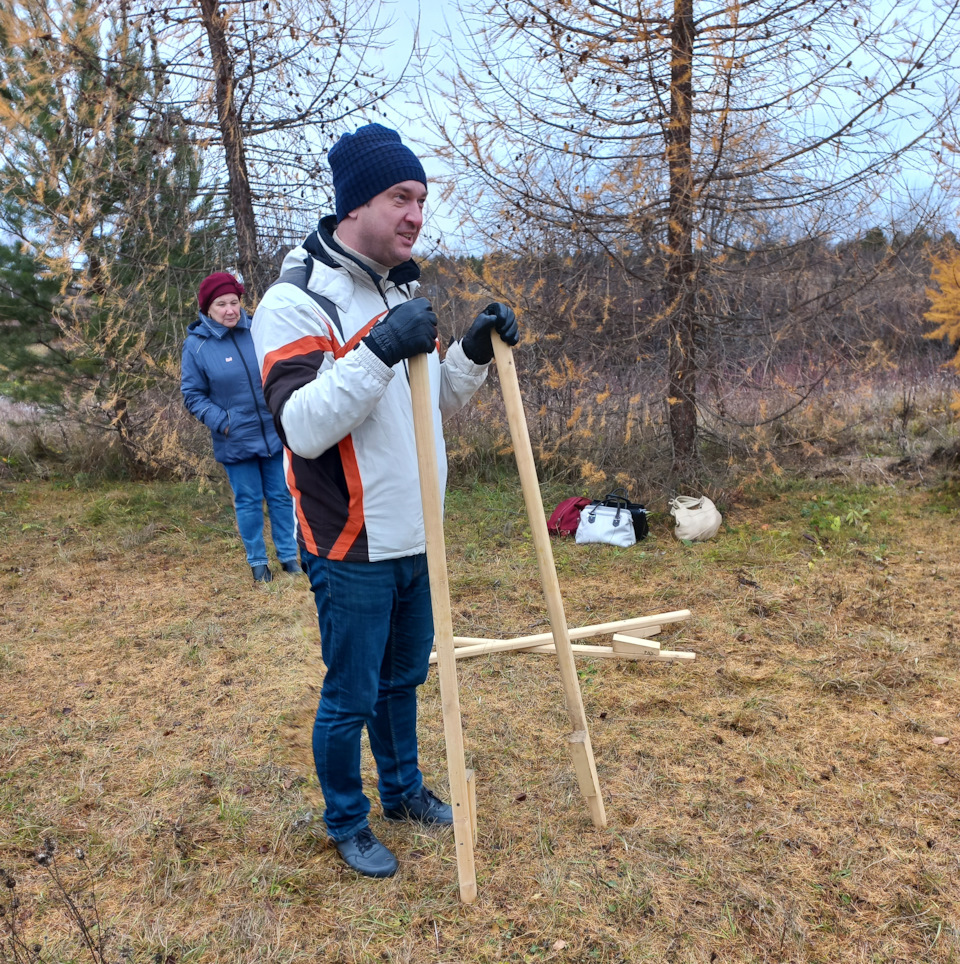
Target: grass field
x,y
789,796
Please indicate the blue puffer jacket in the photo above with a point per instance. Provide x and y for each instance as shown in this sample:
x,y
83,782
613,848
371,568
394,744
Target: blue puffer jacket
x,y
220,382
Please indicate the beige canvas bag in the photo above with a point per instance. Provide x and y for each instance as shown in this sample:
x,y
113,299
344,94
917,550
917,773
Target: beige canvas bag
x,y
697,519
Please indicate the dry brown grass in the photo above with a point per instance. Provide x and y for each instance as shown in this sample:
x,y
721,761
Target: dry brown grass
x,y
780,799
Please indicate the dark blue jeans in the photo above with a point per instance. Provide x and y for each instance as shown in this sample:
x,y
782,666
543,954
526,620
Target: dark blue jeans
x,y
253,481
376,633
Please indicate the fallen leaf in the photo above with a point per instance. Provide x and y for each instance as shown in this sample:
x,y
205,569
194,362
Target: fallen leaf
x,y
559,945
941,740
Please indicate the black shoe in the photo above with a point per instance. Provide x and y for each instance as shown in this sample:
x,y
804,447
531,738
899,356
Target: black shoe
x,y
292,566
366,855
262,573
424,806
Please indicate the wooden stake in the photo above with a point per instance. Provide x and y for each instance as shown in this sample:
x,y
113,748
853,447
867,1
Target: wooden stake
x,y
647,648
580,746
623,643
423,423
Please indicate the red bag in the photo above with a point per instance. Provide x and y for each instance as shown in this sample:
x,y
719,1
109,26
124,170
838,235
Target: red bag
x,y
565,517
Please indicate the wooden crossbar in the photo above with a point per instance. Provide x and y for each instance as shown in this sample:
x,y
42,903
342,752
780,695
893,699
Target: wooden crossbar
x,y
629,643
480,646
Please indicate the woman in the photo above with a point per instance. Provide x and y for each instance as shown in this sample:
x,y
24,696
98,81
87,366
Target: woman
x,y
220,382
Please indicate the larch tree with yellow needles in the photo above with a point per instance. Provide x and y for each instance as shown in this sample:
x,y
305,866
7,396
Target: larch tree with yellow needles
x,y
944,298
944,311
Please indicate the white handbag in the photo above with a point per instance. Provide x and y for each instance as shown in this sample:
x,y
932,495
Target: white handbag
x,y
697,519
606,523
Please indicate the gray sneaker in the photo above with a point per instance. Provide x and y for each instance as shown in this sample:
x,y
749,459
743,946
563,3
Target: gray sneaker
x,y
424,806
366,855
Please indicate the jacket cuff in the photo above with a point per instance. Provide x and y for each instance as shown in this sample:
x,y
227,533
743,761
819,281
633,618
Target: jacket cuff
x,y
369,359
456,354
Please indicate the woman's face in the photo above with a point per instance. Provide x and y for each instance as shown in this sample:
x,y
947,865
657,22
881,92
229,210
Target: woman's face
x,y
225,310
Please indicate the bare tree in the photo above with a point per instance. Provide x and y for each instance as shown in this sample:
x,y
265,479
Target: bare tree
x,y
266,86
695,144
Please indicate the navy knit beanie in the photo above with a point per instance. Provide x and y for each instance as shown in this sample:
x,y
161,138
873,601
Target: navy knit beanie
x,y
367,162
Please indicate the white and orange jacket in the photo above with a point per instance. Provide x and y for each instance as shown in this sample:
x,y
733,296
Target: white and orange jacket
x,y
345,418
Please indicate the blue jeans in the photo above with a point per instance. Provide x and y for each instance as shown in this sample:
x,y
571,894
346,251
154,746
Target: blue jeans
x,y
252,481
376,633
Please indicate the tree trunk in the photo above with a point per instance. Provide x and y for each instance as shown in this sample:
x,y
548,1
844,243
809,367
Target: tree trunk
x,y
255,274
680,282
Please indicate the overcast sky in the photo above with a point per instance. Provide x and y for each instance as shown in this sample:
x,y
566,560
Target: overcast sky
x,y
402,112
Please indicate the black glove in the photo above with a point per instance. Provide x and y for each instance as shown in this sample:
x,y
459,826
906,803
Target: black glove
x,y
476,343
404,331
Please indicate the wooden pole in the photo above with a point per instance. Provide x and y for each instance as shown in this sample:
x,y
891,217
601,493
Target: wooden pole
x,y
464,814
579,740
549,649
649,653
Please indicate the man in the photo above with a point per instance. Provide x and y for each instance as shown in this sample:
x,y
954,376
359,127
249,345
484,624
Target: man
x,y
332,337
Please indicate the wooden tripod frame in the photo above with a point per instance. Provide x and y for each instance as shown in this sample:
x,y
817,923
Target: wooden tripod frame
x,y
462,791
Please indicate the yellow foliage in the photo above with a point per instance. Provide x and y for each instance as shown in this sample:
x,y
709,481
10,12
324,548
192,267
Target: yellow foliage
x,y
944,298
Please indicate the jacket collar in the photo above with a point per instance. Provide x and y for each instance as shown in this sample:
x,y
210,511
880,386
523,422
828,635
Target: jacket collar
x,y
322,245
206,327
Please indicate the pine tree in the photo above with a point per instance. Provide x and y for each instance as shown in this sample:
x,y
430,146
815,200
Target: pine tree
x,y
104,195
28,332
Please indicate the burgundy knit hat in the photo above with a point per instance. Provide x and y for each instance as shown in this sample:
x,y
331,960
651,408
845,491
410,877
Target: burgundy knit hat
x,y
216,284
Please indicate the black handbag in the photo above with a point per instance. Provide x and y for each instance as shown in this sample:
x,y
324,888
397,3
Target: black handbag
x,y
618,498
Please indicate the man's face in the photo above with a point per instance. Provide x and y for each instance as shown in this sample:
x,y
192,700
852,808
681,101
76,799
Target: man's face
x,y
388,225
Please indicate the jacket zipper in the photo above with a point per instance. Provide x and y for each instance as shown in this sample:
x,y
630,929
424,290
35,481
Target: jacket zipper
x,y
253,389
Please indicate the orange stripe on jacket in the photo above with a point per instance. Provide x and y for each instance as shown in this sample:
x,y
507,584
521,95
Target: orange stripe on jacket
x,y
302,346
348,460
358,337
305,530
